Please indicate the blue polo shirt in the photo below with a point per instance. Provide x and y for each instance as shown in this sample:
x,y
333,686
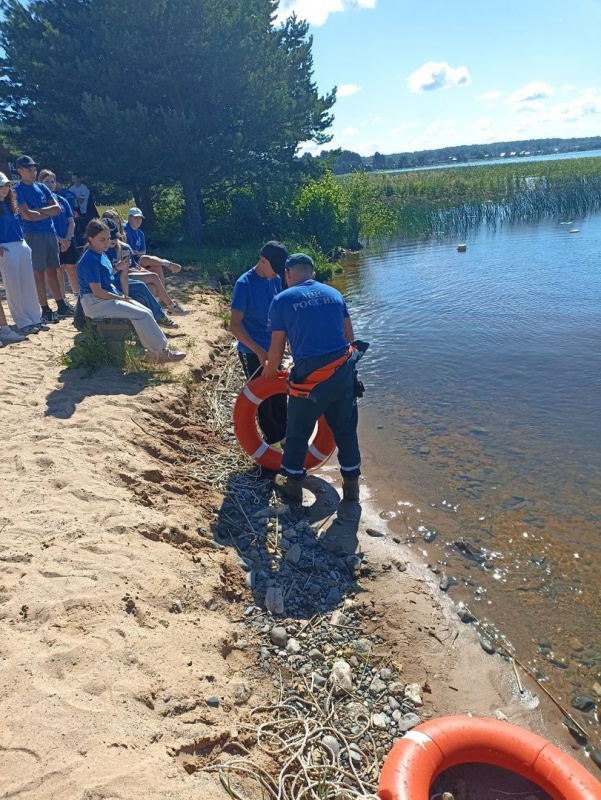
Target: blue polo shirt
x,y
252,296
61,221
10,225
135,239
35,196
94,268
311,314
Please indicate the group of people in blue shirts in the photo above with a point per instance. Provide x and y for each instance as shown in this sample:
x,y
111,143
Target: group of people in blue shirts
x,y
313,319
38,244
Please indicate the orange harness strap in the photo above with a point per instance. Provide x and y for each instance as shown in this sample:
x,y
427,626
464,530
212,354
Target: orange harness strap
x,y
320,375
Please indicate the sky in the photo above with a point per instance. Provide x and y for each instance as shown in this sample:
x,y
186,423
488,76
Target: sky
x,y
413,76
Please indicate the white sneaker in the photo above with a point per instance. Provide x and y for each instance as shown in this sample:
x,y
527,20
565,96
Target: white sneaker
x,y
11,336
176,309
165,355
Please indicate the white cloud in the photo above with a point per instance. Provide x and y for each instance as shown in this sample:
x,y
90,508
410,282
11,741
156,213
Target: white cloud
x,y
349,132
437,75
316,12
588,103
347,89
376,120
491,95
536,90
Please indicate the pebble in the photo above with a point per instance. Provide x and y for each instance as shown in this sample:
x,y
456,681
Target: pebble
x,y
242,694
332,744
400,565
375,533
293,555
413,693
250,580
274,600
379,721
393,703
315,654
333,597
213,701
583,702
279,636
362,646
464,614
210,604
339,618
377,687
498,714
597,688
487,645
341,677
446,583
176,607
407,722
294,646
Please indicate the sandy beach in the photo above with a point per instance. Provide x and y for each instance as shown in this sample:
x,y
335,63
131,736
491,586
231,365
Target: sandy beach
x,y
117,611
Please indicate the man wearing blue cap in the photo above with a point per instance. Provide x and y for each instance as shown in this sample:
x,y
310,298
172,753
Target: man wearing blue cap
x,y
314,319
37,206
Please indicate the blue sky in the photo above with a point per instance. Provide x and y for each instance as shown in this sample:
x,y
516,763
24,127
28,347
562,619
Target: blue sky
x,y
414,76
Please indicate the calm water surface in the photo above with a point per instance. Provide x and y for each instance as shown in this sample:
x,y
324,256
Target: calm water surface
x,y
483,417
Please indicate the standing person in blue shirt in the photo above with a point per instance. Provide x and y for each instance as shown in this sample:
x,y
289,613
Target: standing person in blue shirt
x,y
15,265
253,293
314,319
137,241
100,299
64,225
37,206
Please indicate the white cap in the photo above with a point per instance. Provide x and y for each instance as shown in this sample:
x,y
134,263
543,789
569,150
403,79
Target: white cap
x,y
3,179
134,212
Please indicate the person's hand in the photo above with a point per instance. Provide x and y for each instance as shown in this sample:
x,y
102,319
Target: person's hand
x,y
64,245
269,370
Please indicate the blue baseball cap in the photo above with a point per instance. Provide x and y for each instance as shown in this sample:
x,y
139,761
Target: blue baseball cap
x,y
299,259
25,161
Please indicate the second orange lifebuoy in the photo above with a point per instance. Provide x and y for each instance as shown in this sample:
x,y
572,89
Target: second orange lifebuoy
x,y
247,434
426,751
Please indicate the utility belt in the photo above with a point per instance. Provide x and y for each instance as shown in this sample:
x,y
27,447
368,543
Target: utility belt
x,y
319,376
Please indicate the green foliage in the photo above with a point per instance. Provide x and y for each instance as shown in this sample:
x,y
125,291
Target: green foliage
x,y
90,350
320,211
339,212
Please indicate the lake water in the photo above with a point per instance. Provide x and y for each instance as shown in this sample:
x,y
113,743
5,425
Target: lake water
x,y
481,426
508,160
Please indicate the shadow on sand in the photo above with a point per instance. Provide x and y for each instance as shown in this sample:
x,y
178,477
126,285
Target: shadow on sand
x,y
303,561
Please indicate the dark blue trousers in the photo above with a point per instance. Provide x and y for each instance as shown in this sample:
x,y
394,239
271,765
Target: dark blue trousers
x,y
140,292
335,399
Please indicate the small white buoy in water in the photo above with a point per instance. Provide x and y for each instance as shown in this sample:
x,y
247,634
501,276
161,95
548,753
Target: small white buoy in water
x,y
574,230
461,248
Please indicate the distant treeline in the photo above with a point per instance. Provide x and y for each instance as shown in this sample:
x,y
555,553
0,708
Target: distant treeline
x,y
348,161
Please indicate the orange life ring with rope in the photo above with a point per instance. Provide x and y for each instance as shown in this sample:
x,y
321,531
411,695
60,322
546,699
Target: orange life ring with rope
x,y
249,438
429,749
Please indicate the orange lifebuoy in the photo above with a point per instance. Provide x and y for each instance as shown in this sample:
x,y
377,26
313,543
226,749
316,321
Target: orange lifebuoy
x,y
426,751
249,438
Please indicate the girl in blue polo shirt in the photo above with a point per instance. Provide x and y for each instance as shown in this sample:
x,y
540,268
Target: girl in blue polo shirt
x,y
101,300
15,265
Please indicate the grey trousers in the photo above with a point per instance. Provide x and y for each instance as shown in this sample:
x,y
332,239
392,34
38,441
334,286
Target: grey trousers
x,y
149,333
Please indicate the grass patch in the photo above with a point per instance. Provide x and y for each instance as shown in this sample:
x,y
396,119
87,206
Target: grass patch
x,y
91,351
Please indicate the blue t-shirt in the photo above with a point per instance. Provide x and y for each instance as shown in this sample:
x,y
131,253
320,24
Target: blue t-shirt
x,y
61,221
312,316
35,196
94,268
69,197
135,239
10,225
252,296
